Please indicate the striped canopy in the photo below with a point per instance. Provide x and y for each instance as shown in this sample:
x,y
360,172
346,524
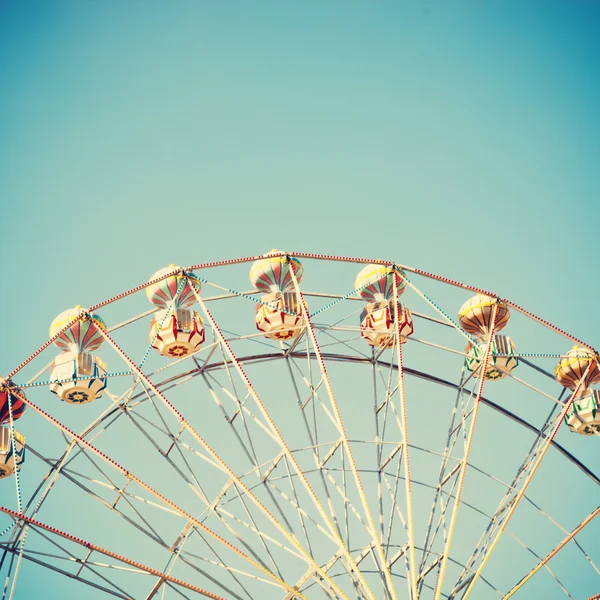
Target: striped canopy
x,y
475,315
273,273
163,293
18,407
83,336
579,365
376,283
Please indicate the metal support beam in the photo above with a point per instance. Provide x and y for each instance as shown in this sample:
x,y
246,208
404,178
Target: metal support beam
x,y
95,548
463,468
342,430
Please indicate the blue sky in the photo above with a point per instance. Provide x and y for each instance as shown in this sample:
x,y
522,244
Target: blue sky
x,y
458,137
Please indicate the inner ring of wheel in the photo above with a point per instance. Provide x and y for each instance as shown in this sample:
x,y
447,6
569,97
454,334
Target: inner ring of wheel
x,y
164,386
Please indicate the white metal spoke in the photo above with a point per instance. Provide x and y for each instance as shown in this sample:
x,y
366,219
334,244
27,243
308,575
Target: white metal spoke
x,y
287,451
285,480
100,550
465,460
538,457
347,448
161,498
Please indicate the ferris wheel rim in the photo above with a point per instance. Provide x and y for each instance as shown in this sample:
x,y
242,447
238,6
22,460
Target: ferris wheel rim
x,y
270,357
315,256
354,359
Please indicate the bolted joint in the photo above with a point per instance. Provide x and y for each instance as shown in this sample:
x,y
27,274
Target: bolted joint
x,y
86,316
7,386
191,278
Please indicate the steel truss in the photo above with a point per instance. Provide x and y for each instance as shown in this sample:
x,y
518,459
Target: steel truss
x,y
298,520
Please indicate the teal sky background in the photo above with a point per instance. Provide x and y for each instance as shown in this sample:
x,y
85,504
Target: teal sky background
x,y
457,137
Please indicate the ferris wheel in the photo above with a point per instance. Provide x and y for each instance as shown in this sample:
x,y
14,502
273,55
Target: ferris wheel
x,y
341,428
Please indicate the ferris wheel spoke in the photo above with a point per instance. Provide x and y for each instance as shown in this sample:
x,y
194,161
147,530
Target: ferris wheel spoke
x,y
175,442
251,452
255,527
249,548
337,557
227,518
219,503
394,451
447,475
463,409
120,494
394,508
496,521
165,585
322,463
73,449
378,452
315,400
315,446
69,556
510,507
241,403
214,455
163,428
163,500
280,504
83,562
217,507
343,495
78,479
19,534
272,481
252,527
50,480
385,571
191,479
48,531
467,448
247,446
31,558
441,525
301,513
284,447
398,342
382,412
192,561
552,553
488,517
393,493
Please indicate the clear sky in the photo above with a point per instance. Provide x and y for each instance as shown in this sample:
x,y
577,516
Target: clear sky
x,y
459,137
